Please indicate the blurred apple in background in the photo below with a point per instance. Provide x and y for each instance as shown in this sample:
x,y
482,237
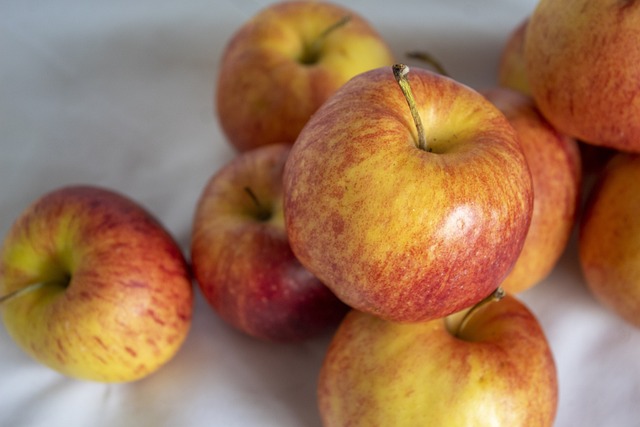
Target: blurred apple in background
x,y
93,286
242,259
400,231
492,368
609,239
281,65
554,162
512,70
583,65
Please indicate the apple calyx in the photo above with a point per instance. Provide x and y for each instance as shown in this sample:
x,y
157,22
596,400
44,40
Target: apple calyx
x,y
400,72
21,291
429,60
311,53
456,322
262,213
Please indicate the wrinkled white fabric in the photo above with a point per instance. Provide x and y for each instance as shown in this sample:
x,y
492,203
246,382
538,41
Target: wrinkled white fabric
x,y
119,94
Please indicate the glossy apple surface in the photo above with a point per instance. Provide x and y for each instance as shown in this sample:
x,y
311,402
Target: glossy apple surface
x,y
278,68
115,297
583,66
497,370
609,239
555,164
395,230
242,259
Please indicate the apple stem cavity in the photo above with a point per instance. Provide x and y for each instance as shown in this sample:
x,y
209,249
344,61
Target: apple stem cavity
x,y
400,72
429,60
262,213
21,291
496,295
311,53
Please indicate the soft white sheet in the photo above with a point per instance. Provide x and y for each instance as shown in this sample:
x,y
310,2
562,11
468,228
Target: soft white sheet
x,y
119,94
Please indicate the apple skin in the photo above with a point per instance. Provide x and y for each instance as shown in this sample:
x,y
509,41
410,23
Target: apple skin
x,y
394,230
609,238
265,93
555,164
242,261
512,70
116,299
497,371
583,67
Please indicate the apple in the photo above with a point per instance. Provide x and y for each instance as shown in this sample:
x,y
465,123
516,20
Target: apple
x,y
492,367
241,256
407,213
583,65
609,238
282,64
512,70
94,286
555,164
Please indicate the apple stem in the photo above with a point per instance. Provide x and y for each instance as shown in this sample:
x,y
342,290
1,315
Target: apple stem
x,y
18,292
496,295
263,212
430,60
311,54
400,72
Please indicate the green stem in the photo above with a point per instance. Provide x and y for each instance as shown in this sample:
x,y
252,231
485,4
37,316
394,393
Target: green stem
x,y
263,213
430,60
496,295
312,52
18,292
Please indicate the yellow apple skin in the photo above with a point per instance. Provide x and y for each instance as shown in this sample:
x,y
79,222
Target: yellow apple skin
x,y
241,256
512,70
609,238
497,371
392,229
583,66
115,302
266,93
555,164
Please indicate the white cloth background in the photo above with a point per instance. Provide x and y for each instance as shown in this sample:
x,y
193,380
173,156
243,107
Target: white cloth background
x,y
119,94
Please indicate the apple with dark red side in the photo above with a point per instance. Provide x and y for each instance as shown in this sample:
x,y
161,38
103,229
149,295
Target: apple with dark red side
x,y
241,256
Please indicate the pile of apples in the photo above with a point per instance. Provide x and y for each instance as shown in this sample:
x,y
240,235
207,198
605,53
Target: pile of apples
x,y
394,207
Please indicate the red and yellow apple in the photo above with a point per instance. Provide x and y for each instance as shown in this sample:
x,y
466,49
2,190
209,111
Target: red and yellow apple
x,y
512,70
241,256
609,238
94,286
397,229
493,367
554,162
282,64
583,66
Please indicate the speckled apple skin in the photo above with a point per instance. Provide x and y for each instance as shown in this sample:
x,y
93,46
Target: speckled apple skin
x,y
555,165
244,265
397,231
498,371
264,94
609,239
127,306
583,66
